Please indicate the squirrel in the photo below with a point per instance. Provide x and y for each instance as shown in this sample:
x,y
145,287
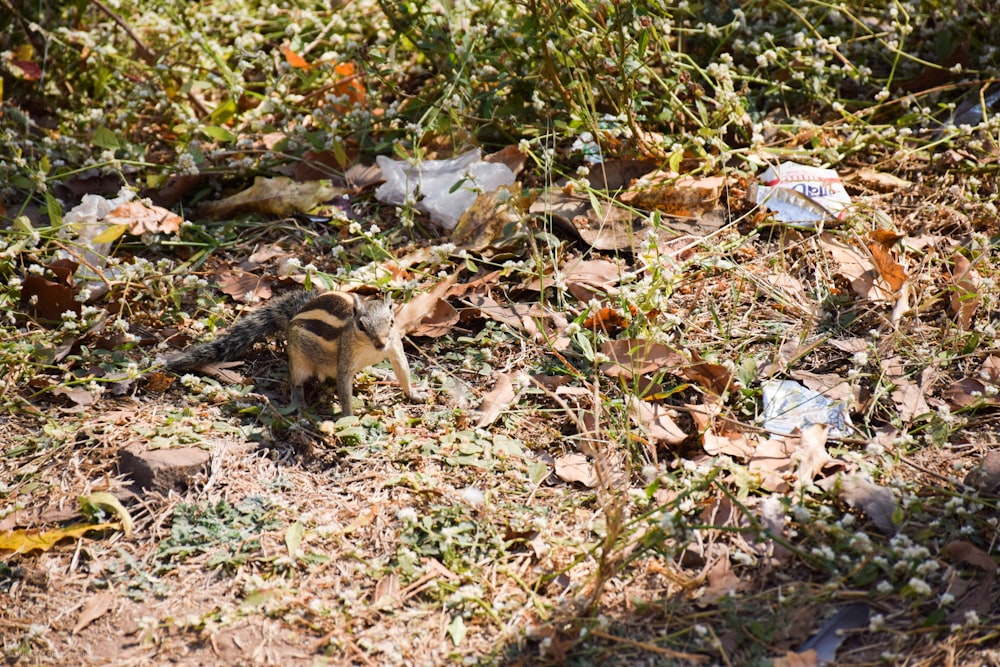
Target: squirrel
x,y
333,335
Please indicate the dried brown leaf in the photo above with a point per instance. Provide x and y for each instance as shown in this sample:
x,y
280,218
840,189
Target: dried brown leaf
x,y
92,610
140,219
970,391
666,191
576,468
876,501
496,401
655,420
811,453
880,246
429,306
47,299
509,155
589,278
729,443
492,217
965,295
909,400
961,551
772,460
855,267
631,357
793,659
243,286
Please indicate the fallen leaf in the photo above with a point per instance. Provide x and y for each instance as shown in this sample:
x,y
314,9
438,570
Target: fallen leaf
x,y
588,278
511,156
657,423
279,196
772,460
681,196
631,357
140,219
262,255
728,443
972,593
720,582
387,591
793,659
426,306
363,175
47,299
613,227
92,610
576,468
971,391
811,453
159,382
985,477
294,59
878,502
961,551
494,216
714,377
880,246
855,267
26,541
244,287
881,181
965,296
515,315
831,385
607,319
78,395
909,400
496,402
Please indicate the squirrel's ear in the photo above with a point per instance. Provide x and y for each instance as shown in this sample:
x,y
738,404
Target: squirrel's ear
x,y
357,302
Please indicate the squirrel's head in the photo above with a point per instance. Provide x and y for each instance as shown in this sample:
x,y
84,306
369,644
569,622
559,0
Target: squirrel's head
x,y
374,320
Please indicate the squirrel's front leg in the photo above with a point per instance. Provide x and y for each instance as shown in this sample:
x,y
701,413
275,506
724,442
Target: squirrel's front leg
x,y
401,368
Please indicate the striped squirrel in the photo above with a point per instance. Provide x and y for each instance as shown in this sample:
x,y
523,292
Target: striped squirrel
x,y
333,335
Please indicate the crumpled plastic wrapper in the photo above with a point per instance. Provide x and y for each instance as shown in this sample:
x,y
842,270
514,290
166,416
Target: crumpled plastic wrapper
x,y
801,195
789,405
431,184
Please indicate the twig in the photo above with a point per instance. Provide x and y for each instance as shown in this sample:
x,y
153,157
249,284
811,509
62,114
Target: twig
x,y
144,51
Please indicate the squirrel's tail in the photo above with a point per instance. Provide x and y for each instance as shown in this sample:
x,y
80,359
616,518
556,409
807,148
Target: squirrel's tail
x,y
269,319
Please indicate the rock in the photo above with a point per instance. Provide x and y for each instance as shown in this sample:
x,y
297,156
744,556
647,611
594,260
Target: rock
x,y
163,469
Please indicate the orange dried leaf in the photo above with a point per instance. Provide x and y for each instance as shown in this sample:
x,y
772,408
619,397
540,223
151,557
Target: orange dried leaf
x,y
294,59
880,246
606,319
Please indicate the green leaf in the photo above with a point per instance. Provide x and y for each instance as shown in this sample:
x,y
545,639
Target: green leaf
x,y
112,233
675,160
293,538
106,502
537,472
105,138
54,209
457,630
219,133
223,112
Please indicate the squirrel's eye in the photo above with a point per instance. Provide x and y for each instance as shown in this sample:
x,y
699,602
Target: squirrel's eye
x,y
362,326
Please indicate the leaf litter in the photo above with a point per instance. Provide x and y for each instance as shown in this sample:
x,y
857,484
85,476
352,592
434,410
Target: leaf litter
x,y
444,529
